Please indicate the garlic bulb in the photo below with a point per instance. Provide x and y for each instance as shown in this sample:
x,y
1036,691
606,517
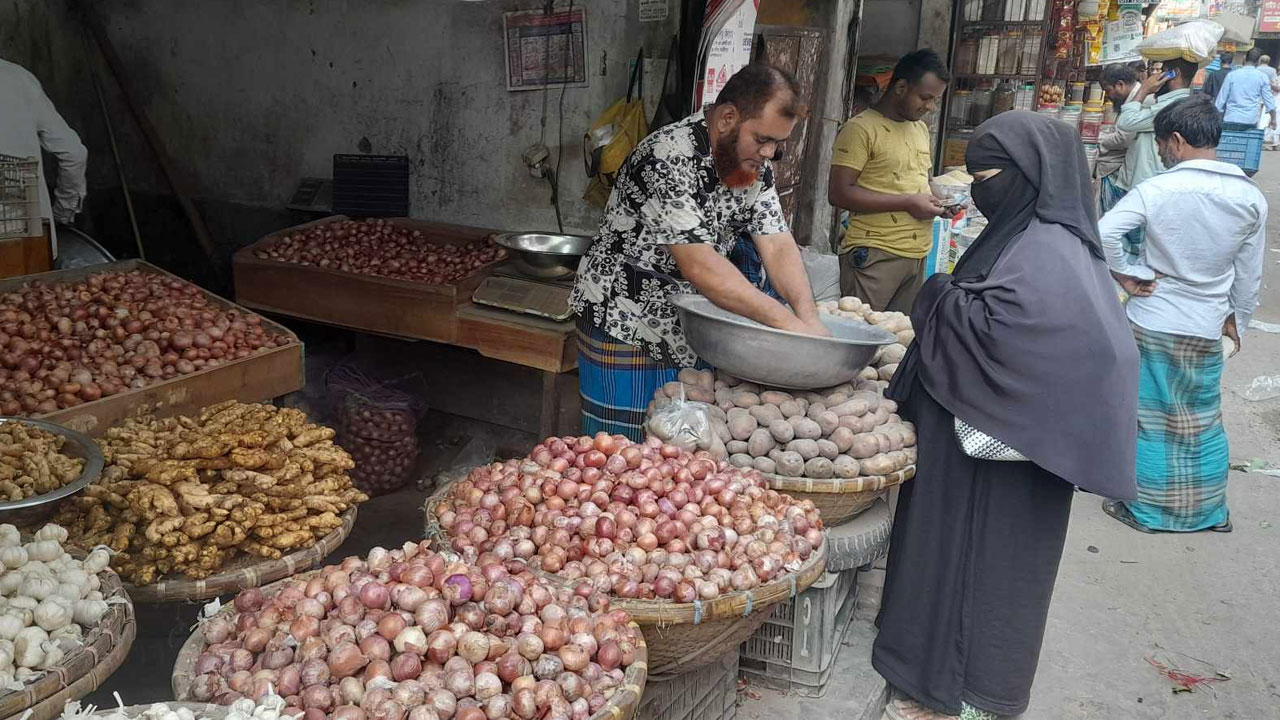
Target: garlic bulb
x,y
51,615
13,557
44,550
89,612
52,532
9,536
38,586
10,626
97,560
27,647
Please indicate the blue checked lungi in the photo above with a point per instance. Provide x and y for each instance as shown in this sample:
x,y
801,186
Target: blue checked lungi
x,y
1108,196
746,257
617,382
1182,444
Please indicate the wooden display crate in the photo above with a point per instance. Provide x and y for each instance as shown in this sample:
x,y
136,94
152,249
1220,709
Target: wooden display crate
x,y
361,302
265,375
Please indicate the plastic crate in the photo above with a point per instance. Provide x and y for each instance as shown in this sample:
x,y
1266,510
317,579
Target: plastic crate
x,y
1242,148
20,197
796,647
708,693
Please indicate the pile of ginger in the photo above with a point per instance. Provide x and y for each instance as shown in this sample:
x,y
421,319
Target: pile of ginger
x,y
187,495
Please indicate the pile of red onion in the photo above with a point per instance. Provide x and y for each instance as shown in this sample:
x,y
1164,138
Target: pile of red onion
x,y
63,345
383,442
634,520
406,634
377,247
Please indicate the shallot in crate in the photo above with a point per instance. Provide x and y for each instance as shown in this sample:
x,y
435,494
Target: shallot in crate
x,y
378,425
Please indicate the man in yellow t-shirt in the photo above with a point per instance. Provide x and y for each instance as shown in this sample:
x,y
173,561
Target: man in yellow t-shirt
x,y
880,173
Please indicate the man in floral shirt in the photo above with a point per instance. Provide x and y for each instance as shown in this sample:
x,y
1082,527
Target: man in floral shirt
x,y
681,200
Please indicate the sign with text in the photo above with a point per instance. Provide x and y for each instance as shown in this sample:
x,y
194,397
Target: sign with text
x,y
1269,16
545,49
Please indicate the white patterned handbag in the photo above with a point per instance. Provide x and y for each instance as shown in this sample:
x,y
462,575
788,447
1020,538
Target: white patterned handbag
x,y
981,446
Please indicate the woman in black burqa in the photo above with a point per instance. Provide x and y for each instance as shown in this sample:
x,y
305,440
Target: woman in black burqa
x,y
1027,343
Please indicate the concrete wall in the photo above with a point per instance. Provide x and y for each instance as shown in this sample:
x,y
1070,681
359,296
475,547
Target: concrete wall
x,y
890,27
252,96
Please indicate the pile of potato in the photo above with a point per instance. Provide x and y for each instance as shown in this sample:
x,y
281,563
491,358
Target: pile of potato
x,y
844,432
190,494
886,361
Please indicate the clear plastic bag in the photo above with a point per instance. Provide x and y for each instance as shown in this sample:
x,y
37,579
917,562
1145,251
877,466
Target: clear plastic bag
x,y
824,273
1195,41
683,423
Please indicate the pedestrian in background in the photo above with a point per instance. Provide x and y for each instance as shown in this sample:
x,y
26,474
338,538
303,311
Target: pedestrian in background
x,y
880,170
1197,280
1214,76
1245,94
1121,84
1025,351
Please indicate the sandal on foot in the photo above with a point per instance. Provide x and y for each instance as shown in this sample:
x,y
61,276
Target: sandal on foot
x,y
908,709
1117,510
1223,527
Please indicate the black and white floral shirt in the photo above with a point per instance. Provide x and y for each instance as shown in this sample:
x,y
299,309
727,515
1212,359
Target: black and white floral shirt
x,y
667,193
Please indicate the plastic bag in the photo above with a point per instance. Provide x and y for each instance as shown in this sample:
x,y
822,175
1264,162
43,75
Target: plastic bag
x,y
824,273
612,136
685,424
1195,41
378,426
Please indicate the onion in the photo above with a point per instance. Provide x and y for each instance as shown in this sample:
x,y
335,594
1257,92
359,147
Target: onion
x,y
461,683
405,666
487,685
443,702
457,589
346,660
441,646
411,639
375,596
314,672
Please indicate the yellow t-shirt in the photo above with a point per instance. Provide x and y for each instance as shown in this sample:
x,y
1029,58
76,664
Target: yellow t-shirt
x,y
892,158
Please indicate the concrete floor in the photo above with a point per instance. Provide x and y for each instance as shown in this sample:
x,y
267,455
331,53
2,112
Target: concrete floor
x,y
1203,603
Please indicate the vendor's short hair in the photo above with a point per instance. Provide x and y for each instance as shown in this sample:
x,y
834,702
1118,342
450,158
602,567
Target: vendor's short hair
x,y
1195,119
1118,73
1186,68
1253,55
913,66
751,88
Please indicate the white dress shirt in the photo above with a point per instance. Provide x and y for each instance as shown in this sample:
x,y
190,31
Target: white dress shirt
x,y
1206,229
29,123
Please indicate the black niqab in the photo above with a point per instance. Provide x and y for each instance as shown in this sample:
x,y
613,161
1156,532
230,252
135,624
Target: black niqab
x,y
1043,174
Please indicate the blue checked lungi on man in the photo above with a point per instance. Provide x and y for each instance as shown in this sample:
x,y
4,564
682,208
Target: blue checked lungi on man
x,y
1182,444
1109,194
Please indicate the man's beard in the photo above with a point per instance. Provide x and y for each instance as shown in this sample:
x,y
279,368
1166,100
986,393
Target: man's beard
x,y
729,165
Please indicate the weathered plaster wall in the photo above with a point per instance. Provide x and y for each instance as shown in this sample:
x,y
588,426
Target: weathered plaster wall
x,y
251,96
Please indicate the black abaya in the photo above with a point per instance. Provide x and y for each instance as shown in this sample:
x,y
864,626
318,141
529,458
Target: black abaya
x,y
972,562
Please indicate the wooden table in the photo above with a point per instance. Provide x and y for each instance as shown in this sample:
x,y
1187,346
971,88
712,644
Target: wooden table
x,y
534,342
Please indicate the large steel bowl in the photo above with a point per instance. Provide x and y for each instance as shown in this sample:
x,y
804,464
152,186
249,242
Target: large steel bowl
x,y
31,510
746,349
545,256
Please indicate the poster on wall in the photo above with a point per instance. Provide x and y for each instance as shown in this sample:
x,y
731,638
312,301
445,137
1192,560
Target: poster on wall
x,y
545,50
1269,16
727,38
653,10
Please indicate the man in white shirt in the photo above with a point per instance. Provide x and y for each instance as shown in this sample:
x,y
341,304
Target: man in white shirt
x,y
1196,279
30,123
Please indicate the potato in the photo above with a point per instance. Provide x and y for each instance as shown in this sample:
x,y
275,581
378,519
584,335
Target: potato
x,y
910,454
766,465
842,438
737,447
728,380
720,385
869,373
718,414
906,337
790,464
717,448
745,399
882,442
748,387
908,435
810,397
741,424
699,394
899,458
850,304
721,429
828,422
775,397
815,410
879,464
863,446
742,461
845,467
689,376
894,353
782,431
895,437
827,449
834,399
673,390
805,428
726,405
724,396
776,454
765,414
806,448
818,467
761,443
887,371
891,405
790,409
804,405
853,406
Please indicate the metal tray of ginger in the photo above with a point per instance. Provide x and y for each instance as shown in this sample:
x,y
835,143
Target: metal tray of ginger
x,y
38,507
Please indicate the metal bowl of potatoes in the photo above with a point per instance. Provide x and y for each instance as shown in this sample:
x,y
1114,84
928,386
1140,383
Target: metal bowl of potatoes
x,y
16,476
746,349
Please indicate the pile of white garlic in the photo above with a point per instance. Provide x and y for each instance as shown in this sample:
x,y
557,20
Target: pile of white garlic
x,y
48,601
268,707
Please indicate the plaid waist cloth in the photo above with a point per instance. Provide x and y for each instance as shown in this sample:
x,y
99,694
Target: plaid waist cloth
x,y
746,257
1182,444
1109,194
617,382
